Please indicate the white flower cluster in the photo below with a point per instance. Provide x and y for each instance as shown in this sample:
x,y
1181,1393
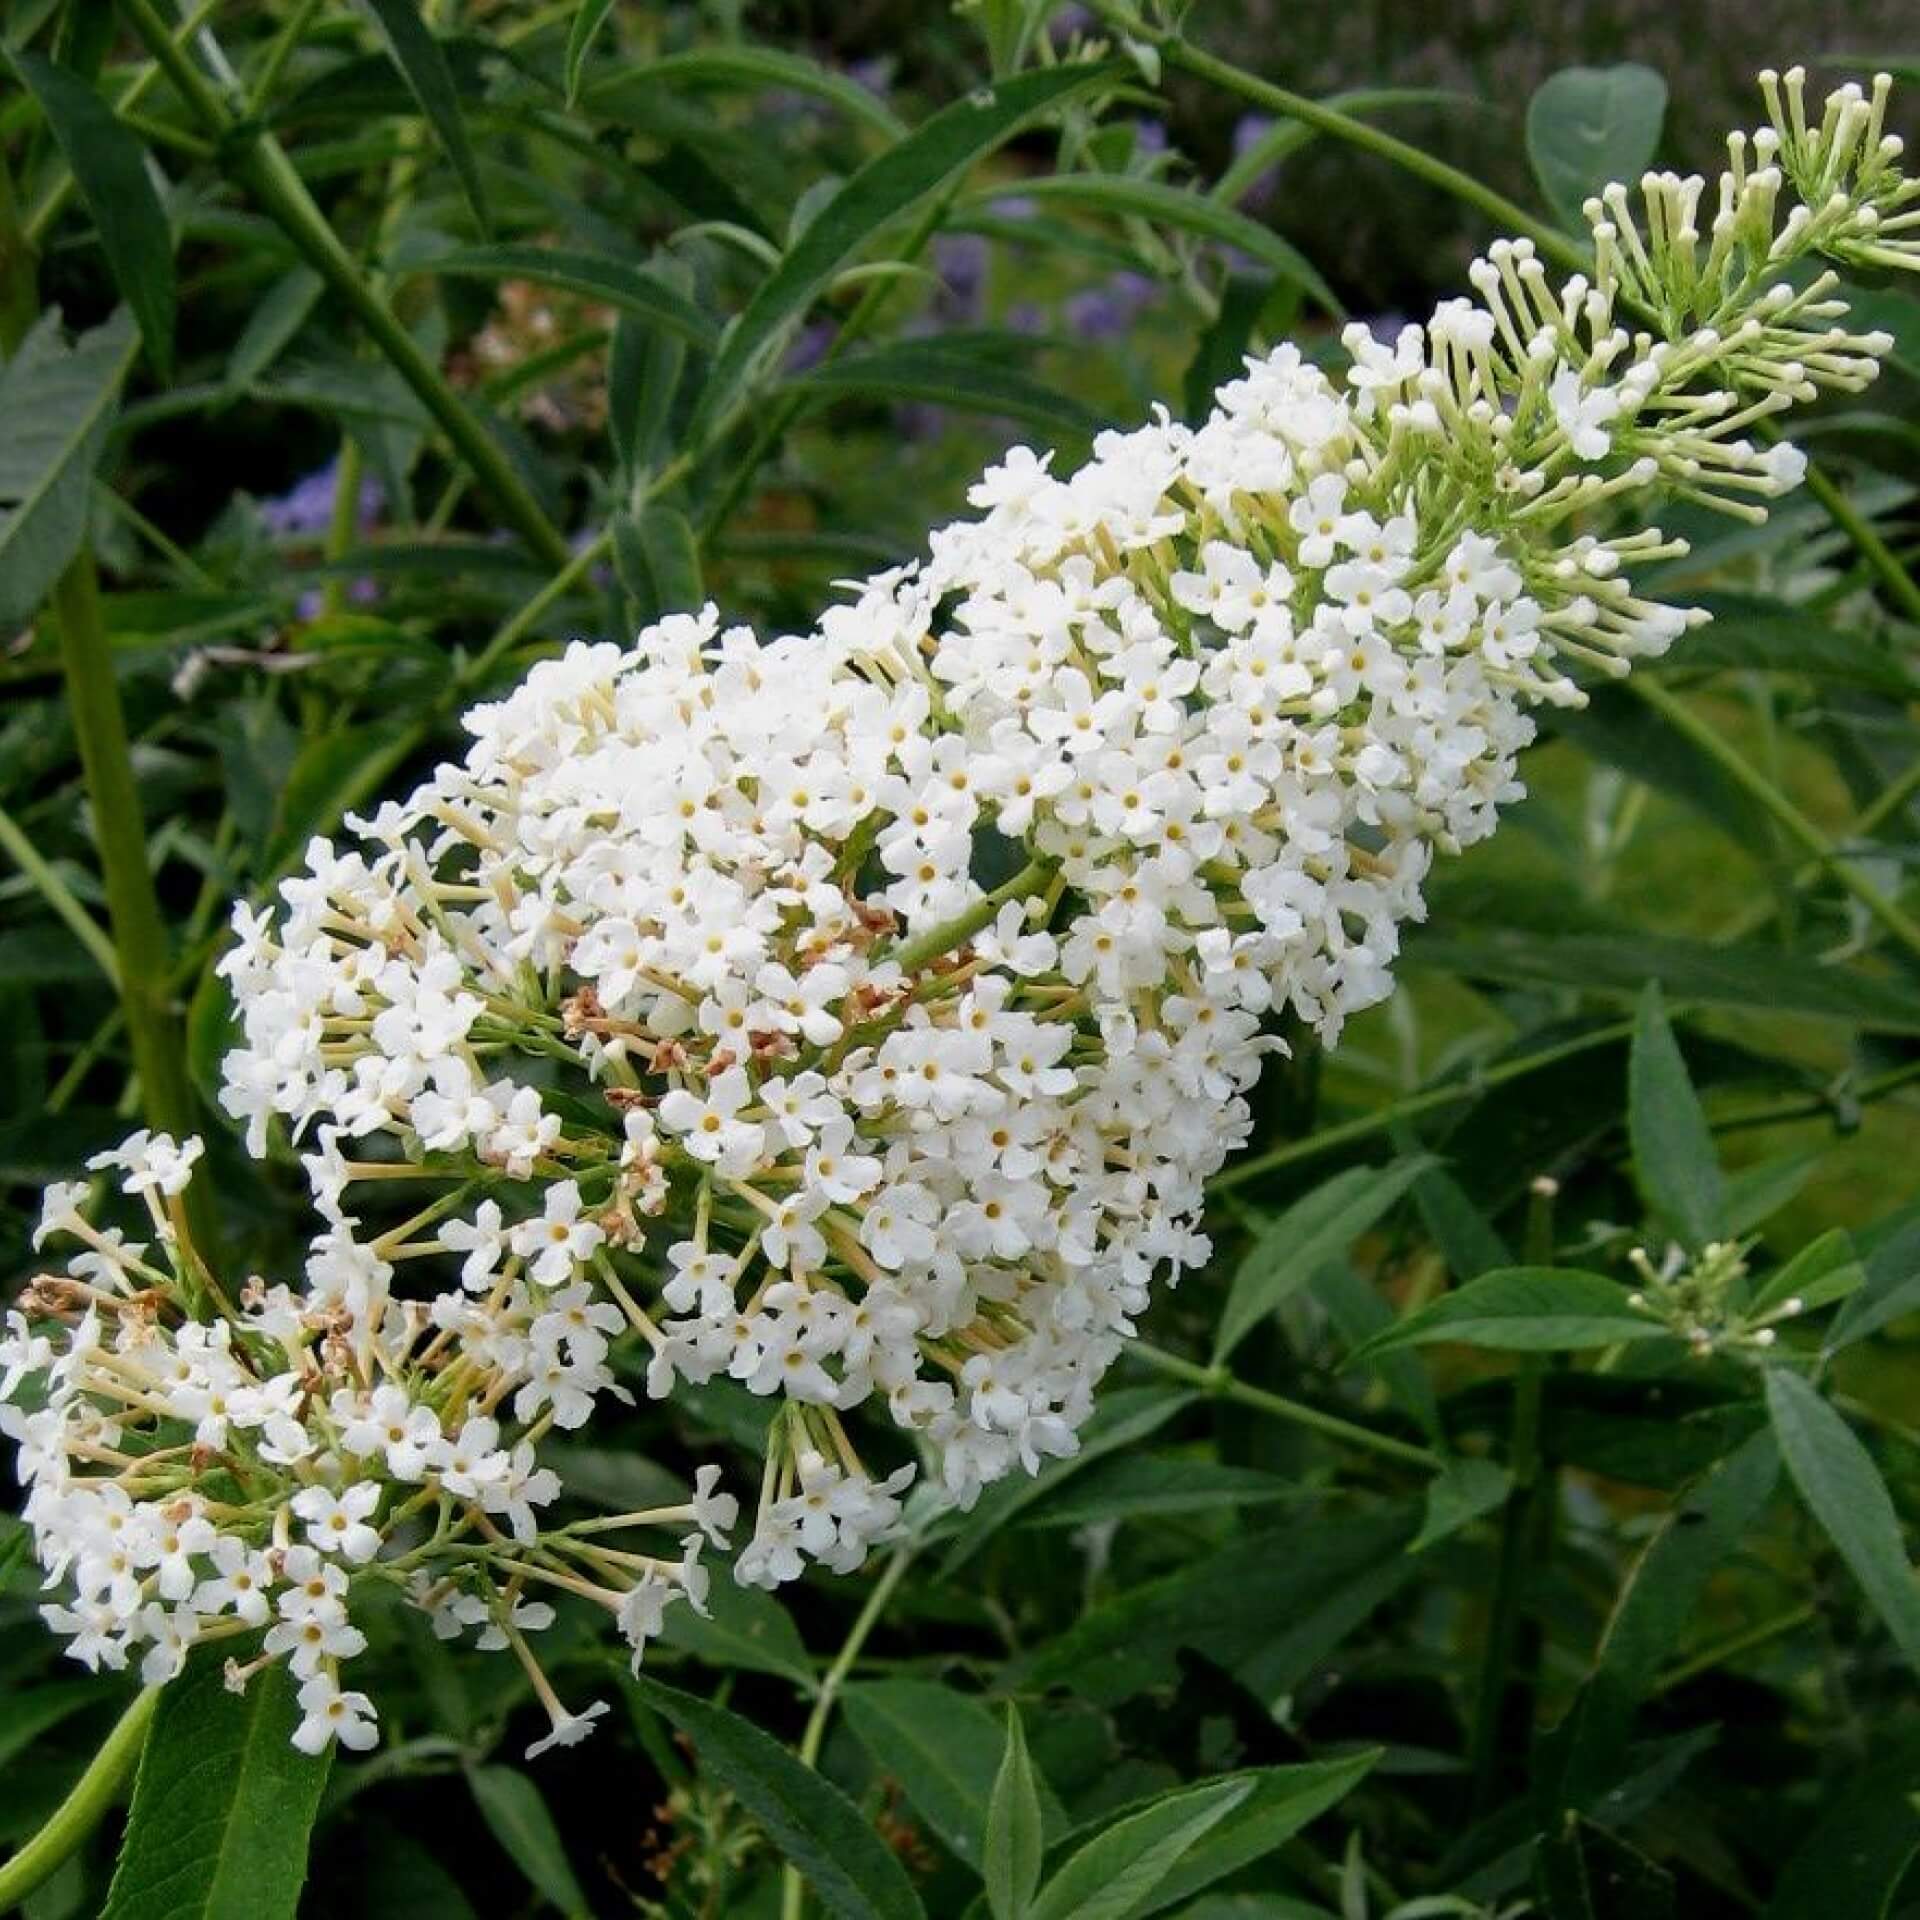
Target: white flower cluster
x,y
858,1015
203,1468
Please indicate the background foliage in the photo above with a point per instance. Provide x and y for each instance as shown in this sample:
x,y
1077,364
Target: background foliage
x,y
359,354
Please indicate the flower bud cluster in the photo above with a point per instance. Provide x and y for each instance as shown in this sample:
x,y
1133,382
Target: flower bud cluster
x,y
858,1015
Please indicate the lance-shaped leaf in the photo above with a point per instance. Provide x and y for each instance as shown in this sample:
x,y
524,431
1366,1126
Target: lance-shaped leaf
x,y
1170,206
954,138
57,403
810,1821
423,65
1845,1493
223,1804
1015,1840
1674,1163
1523,1310
110,169
597,275
1290,1249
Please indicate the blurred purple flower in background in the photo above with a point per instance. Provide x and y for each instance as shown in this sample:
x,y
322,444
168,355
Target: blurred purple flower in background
x,y
307,506
960,259
1248,132
1102,312
809,346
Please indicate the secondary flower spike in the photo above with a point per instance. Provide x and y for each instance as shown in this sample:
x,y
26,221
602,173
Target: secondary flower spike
x,y
858,1015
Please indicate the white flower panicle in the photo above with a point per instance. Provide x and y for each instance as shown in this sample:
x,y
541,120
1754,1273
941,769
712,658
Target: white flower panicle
x,y
203,1465
857,1016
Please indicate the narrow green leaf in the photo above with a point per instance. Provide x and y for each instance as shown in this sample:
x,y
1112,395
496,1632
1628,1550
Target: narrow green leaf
x,y
944,1747
1014,1842
746,65
1224,344
1295,1244
672,557
813,1824
643,377
516,1812
58,404
110,168
1459,1496
1116,1872
1138,1486
1659,1604
954,138
1674,1162
1890,1292
1523,1310
640,290
1283,1800
925,370
587,22
333,773
223,1804
1131,196
1823,1271
1863,1842
1583,1872
1588,126
1465,1236
1845,1493
276,319
742,1627
422,61
1744,977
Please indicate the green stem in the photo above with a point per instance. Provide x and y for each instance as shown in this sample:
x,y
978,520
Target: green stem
x,y
1434,1100
59,896
1219,1382
133,907
516,628
1734,1645
253,159
289,37
1812,841
19,266
1507,214
792,1887
81,1811
925,947
1509,1676
1900,584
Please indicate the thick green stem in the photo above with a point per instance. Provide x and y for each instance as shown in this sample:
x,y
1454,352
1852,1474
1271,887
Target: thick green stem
x,y
1225,1386
133,907
83,1809
792,1887
255,161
